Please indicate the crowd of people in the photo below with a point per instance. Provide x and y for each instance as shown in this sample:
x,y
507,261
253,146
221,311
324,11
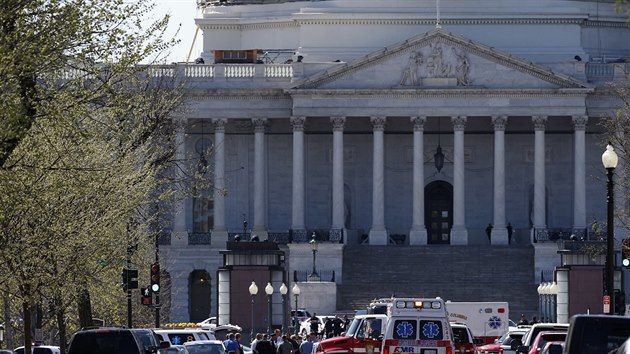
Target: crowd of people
x,y
278,343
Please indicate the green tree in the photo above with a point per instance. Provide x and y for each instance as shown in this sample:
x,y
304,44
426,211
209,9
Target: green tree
x,y
85,149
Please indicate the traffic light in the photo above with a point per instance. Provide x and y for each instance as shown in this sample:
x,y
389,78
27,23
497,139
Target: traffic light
x,y
155,278
625,252
146,296
129,279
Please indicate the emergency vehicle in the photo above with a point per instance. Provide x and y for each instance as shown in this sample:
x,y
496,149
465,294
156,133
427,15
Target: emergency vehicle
x,y
417,326
487,320
395,326
364,335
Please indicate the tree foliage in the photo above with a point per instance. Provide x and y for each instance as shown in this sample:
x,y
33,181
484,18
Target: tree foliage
x,y
85,148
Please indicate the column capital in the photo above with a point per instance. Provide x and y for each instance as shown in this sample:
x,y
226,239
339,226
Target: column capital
x,y
378,123
219,124
338,123
459,122
499,122
539,122
579,122
259,124
418,123
298,123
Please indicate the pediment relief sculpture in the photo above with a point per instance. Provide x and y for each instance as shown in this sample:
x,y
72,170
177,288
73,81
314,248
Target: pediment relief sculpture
x,y
437,65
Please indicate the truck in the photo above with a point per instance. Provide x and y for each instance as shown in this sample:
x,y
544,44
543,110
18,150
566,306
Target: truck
x,y
395,326
487,320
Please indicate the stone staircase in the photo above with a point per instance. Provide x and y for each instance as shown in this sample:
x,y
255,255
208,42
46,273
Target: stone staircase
x,y
457,273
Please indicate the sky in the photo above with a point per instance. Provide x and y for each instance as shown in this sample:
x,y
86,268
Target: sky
x,y
182,12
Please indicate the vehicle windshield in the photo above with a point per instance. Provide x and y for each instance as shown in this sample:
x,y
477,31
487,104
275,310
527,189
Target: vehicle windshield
x,y
205,349
354,326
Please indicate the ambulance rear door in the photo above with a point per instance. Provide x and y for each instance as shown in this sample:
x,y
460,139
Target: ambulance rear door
x,y
418,335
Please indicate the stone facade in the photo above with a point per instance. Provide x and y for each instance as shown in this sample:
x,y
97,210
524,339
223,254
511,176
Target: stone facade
x,y
342,141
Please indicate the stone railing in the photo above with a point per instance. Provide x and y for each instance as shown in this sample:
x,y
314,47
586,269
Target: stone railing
x,y
557,234
603,72
231,71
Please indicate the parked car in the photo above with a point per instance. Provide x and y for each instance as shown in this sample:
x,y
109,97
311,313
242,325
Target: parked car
x,y
596,334
305,326
524,345
205,347
110,340
174,349
545,337
302,314
39,349
6,351
211,323
516,334
464,341
178,336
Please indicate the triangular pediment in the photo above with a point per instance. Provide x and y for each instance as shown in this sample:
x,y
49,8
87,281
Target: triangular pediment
x,y
439,59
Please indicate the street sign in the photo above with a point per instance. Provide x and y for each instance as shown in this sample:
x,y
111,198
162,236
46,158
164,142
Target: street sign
x,y
606,304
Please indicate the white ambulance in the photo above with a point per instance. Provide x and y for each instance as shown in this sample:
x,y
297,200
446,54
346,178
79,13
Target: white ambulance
x,y
417,326
486,320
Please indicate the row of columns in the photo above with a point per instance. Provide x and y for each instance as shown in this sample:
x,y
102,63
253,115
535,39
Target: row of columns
x,y
378,232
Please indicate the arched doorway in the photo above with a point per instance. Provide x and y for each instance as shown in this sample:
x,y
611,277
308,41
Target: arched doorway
x,y
200,295
438,211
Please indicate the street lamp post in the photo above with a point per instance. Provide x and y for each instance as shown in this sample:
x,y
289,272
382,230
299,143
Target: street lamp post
x,y
296,293
540,302
253,290
283,292
609,159
553,292
269,292
314,276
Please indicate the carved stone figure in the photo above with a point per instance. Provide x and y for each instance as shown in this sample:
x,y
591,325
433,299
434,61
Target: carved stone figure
x,y
410,74
462,70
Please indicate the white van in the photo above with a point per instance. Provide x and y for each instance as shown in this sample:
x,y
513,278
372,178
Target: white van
x,y
178,336
417,326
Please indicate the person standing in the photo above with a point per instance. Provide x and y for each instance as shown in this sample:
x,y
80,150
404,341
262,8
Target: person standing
x,y
510,231
231,345
489,231
314,323
259,337
266,346
285,347
307,345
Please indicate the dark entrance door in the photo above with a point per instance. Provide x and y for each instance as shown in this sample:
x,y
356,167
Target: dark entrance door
x,y
200,295
438,209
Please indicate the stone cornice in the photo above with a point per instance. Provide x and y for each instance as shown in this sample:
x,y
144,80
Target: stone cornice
x,y
441,36
454,93
239,94
244,25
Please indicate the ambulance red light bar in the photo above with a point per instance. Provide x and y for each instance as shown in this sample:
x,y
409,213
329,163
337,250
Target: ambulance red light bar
x,y
417,304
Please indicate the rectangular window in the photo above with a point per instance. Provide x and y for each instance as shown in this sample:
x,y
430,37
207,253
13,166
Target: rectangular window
x,y
431,330
405,329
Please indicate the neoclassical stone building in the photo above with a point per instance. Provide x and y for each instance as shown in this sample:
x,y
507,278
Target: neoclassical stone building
x,y
393,123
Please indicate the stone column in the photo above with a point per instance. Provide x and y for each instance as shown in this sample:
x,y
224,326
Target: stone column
x,y
378,234
219,232
260,211
418,233
338,217
179,235
539,211
297,212
459,233
579,191
499,232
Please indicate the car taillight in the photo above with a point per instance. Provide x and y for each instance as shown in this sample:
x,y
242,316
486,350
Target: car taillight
x,y
386,350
